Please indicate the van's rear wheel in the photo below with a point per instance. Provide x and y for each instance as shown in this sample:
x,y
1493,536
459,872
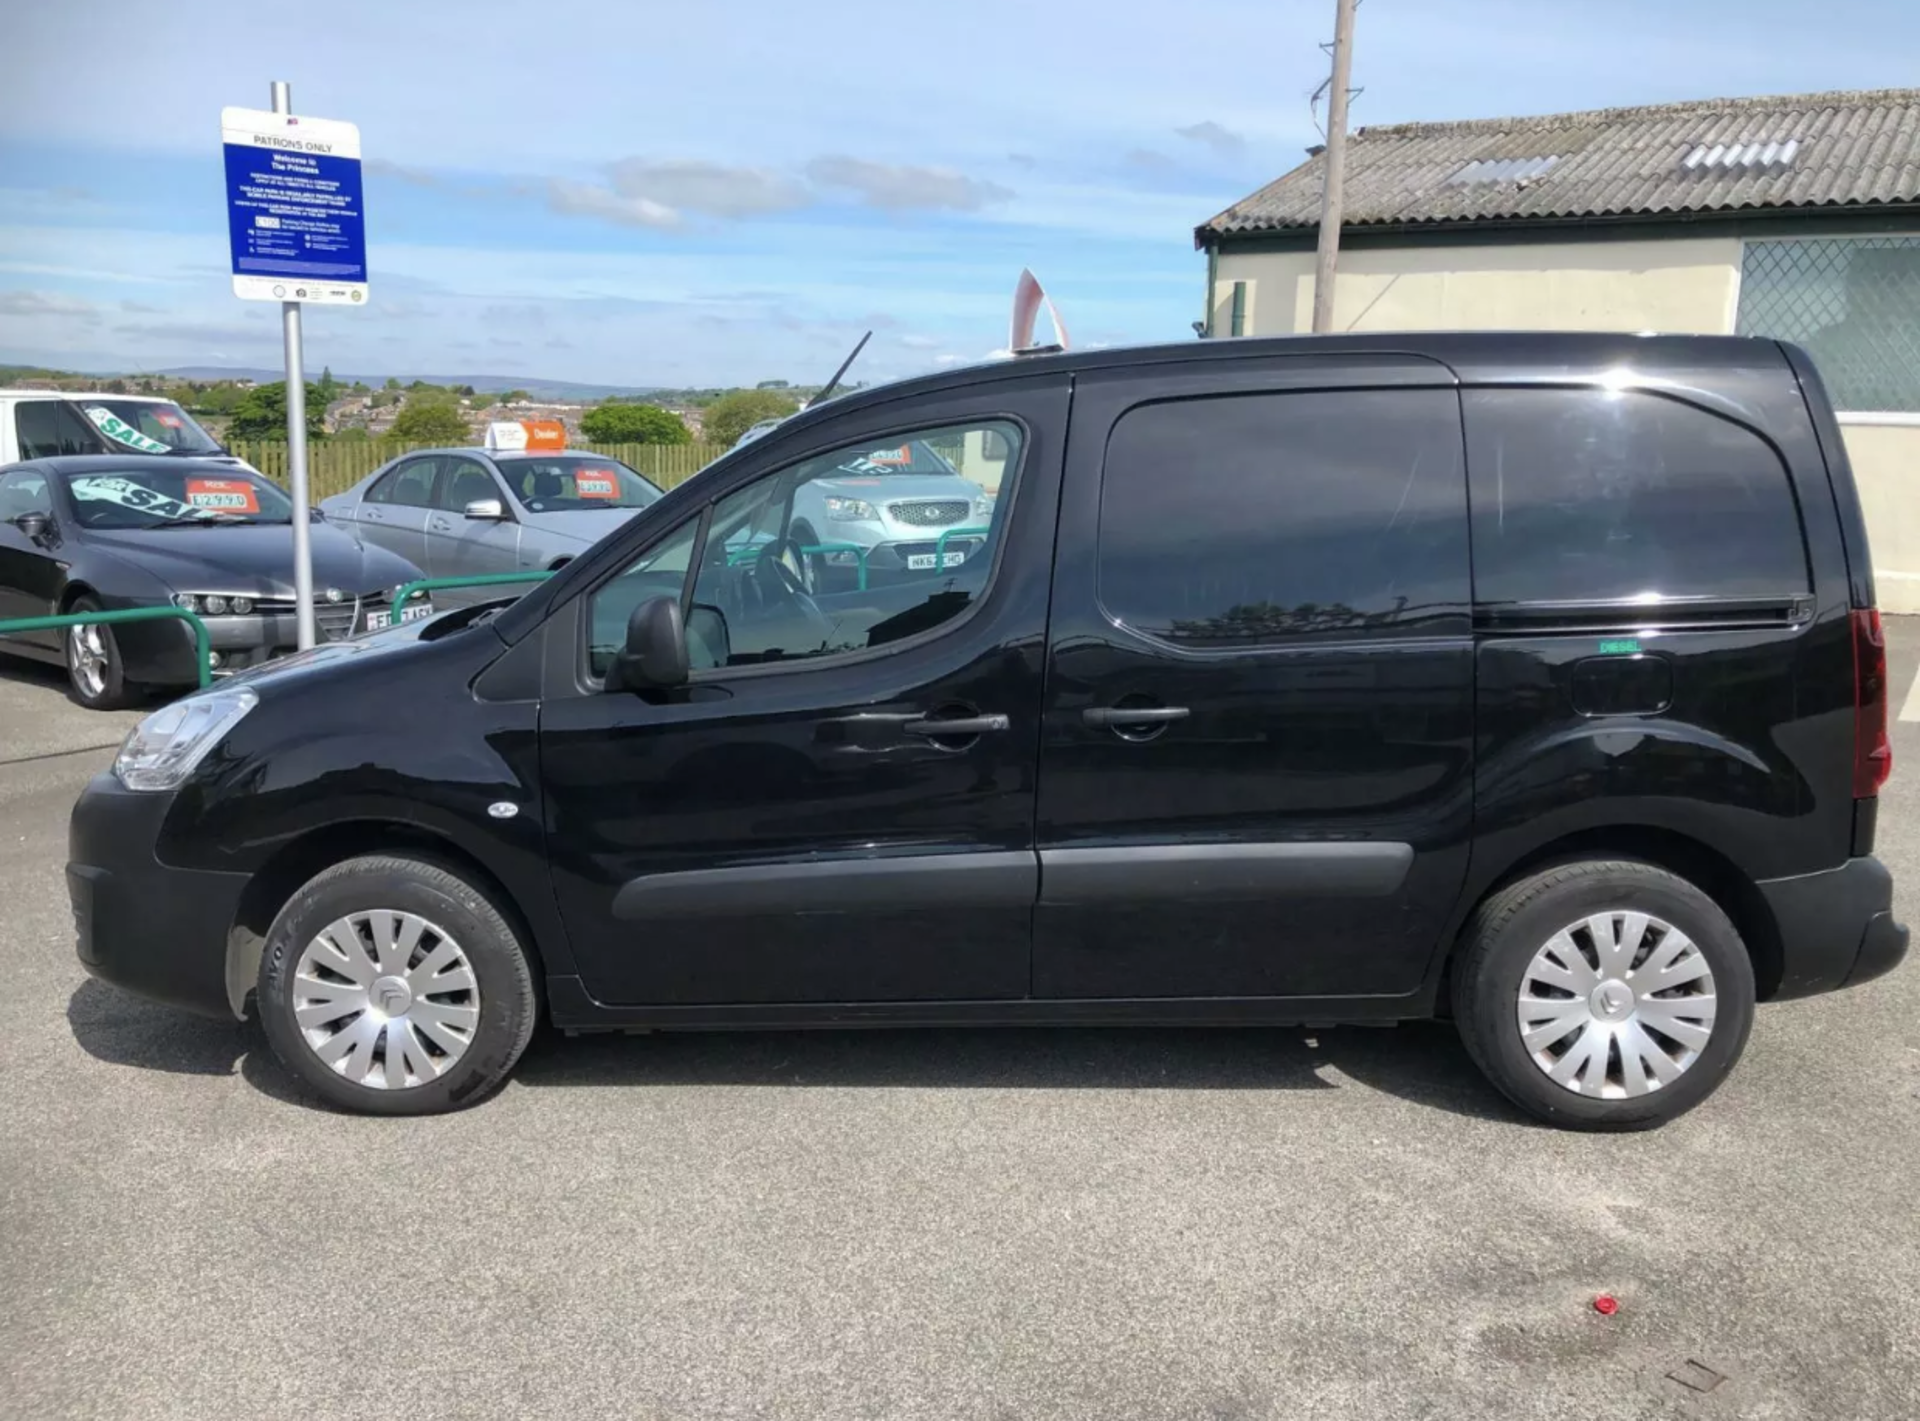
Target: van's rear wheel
x,y
395,987
1604,995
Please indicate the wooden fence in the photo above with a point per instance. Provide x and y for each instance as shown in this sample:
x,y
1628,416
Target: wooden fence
x,y
336,467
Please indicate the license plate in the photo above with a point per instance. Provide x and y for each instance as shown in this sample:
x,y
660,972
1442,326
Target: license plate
x,y
413,612
919,562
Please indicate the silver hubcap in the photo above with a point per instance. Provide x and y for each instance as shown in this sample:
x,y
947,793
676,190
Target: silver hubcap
x,y
87,655
386,999
1617,1005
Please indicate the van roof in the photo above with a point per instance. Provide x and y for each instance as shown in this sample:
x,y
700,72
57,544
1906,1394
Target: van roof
x,y
1574,357
81,395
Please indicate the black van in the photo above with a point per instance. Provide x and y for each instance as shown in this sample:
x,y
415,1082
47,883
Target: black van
x,y
1532,679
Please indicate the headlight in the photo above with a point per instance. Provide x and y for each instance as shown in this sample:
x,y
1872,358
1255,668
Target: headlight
x,y
983,506
161,751
848,510
212,604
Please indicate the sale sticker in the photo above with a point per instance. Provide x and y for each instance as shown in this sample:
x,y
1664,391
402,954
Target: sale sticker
x,y
118,430
595,483
902,455
171,421
223,495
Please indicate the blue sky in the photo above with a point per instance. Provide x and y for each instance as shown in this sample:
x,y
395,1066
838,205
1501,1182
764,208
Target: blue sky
x,y
732,190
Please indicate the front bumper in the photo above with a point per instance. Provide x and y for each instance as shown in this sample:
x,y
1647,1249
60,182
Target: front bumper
x,y
153,929
162,653
1836,927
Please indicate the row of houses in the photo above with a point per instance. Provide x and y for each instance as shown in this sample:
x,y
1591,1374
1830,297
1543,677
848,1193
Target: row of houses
x,y
1796,218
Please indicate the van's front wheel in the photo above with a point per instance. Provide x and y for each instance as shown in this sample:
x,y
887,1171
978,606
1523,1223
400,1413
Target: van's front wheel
x,y
1604,995
393,986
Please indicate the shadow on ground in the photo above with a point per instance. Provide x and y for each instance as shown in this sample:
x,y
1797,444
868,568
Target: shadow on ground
x,y
1419,1062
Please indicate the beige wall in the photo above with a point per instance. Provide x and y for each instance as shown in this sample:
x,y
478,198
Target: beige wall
x,y
1679,285
1886,464
1683,285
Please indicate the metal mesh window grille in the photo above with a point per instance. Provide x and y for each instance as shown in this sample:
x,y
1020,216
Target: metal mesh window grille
x,y
1853,302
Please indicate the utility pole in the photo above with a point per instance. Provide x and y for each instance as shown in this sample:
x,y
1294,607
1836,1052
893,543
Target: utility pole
x,y
1331,198
297,443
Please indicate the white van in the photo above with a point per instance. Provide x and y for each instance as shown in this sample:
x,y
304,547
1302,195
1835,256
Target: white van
x,y
37,424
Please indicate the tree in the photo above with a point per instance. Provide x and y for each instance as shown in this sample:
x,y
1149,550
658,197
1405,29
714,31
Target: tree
x,y
261,413
393,383
328,387
352,434
731,416
431,418
359,387
512,395
633,424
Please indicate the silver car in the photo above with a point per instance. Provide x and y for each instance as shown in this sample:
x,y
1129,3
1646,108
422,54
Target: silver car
x,y
903,509
464,512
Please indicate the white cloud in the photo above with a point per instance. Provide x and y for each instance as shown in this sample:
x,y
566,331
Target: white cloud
x,y
587,200
712,189
918,342
903,188
1220,139
46,303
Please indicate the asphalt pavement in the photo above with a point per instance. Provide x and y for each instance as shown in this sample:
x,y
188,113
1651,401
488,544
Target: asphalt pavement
x,y
1018,1224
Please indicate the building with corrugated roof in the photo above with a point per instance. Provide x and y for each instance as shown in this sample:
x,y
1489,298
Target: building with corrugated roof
x,y
1795,217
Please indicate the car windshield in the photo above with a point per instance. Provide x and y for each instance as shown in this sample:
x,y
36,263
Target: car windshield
x,y
916,456
569,483
149,497
150,426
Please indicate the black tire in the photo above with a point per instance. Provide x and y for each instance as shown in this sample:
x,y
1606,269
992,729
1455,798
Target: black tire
x,y
507,1008
1516,921
114,691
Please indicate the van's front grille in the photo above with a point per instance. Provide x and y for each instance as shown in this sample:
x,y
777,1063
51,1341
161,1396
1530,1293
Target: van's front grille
x,y
930,512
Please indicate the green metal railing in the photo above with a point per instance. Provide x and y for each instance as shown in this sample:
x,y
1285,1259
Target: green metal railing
x,y
940,544
487,579
202,643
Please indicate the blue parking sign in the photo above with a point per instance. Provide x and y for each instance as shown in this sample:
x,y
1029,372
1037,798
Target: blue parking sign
x,y
296,222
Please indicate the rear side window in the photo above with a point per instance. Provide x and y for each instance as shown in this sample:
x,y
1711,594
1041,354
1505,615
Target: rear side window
x,y
47,428
1594,495
1256,520
409,486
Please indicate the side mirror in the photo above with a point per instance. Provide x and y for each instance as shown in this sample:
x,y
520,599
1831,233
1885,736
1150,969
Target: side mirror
x,y
655,656
486,508
33,525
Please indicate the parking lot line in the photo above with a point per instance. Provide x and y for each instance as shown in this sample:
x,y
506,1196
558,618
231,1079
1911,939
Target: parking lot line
x,y
1910,708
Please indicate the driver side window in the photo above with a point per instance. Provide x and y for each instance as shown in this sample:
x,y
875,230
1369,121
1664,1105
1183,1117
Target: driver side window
x,y
856,548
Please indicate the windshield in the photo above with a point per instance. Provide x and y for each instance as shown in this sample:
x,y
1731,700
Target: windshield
x,y
567,483
149,497
914,457
151,426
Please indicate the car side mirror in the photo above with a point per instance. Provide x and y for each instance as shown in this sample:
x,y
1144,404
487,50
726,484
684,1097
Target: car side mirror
x,y
33,525
655,656
486,508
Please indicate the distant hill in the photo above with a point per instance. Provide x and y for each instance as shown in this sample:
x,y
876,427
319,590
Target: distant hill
x,y
539,389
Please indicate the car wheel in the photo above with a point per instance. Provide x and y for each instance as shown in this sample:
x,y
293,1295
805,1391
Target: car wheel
x,y
95,673
1603,994
393,986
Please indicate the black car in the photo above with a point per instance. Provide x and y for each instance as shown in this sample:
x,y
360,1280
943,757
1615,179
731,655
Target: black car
x,y
1531,679
108,532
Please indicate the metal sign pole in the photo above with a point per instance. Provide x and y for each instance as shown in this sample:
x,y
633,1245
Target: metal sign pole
x,y
297,442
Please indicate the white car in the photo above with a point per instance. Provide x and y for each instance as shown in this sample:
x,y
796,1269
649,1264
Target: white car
x,y
43,424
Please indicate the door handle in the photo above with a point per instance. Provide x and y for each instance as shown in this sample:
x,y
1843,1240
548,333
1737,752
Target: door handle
x,y
958,728
1107,717
440,525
